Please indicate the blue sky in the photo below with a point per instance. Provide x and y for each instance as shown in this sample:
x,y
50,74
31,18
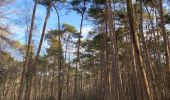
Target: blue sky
x,y
71,18
23,9
18,25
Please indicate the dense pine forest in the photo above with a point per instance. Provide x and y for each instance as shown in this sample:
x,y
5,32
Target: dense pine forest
x,y
84,49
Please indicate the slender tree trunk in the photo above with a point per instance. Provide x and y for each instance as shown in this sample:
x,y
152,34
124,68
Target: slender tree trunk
x,y
101,93
135,42
31,71
165,36
148,60
68,67
52,81
60,71
78,54
60,58
105,56
21,88
166,47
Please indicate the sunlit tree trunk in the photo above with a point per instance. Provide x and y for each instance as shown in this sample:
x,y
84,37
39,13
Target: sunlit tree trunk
x,y
149,65
135,42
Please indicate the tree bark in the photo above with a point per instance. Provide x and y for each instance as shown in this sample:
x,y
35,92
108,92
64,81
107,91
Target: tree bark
x,y
135,43
78,54
31,71
164,34
21,88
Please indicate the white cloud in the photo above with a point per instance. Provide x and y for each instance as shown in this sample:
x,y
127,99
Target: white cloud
x,y
17,29
18,33
85,31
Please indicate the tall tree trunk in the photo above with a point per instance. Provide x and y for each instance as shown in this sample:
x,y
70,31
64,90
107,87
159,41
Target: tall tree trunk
x,y
31,71
116,74
68,67
166,46
60,58
52,80
135,42
21,88
165,36
147,55
78,54
60,70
